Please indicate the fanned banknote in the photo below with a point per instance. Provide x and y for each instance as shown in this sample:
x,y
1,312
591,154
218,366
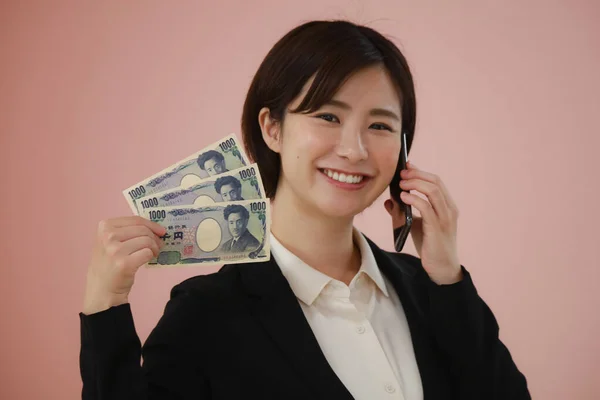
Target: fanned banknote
x,y
224,233
222,156
240,184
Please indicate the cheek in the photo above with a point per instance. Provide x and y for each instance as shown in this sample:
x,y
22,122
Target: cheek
x,y
387,155
303,144
317,143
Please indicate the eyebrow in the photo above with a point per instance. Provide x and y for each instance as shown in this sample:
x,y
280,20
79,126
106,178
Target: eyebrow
x,y
375,112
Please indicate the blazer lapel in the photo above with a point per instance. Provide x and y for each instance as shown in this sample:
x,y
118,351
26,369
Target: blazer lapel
x,y
273,303
411,283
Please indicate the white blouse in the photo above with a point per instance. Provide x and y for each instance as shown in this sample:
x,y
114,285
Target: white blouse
x,y
361,328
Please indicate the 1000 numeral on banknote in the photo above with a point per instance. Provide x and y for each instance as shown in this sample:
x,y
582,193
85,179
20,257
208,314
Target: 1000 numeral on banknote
x,y
240,184
223,233
216,159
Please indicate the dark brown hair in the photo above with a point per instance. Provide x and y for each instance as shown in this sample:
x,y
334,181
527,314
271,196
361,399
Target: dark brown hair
x,y
332,50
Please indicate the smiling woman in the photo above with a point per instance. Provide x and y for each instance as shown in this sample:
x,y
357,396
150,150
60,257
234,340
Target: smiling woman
x,y
339,138
302,81
330,315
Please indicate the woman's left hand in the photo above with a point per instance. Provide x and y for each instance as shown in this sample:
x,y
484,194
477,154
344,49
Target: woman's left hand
x,y
434,233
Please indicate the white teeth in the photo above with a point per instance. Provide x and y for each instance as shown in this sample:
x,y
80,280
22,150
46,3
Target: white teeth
x,y
343,177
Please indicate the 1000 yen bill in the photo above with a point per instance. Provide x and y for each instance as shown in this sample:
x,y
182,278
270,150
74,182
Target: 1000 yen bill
x,y
223,233
240,184
219,157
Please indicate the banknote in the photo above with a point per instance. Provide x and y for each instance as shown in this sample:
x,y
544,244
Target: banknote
x,y
222,156
223,233
240,184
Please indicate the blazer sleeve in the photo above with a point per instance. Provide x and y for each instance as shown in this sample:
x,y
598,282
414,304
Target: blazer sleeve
x,y
111,353
467,332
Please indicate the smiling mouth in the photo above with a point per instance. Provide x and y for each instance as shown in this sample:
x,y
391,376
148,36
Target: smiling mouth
x,y
342,177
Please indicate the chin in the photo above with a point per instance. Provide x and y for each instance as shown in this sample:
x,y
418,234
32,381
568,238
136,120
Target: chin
x,y
343,205
342,208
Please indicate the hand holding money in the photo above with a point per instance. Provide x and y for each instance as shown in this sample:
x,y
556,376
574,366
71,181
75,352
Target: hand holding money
x,y
206,209
121,246
212,205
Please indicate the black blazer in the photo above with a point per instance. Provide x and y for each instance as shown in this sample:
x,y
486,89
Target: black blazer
x,y
241,334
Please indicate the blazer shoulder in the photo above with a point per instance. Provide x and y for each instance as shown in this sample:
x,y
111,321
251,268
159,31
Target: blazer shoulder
x,y
404,262
215,285
404,258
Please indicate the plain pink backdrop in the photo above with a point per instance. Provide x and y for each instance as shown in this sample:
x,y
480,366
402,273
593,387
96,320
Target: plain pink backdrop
x,y
96,95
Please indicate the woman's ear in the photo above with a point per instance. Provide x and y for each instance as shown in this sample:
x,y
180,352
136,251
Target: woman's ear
x,y
271,130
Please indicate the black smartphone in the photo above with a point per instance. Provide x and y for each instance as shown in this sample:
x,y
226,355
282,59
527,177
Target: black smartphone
x,y
401,232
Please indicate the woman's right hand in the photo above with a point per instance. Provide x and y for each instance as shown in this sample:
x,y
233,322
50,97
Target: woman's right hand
x,y
121,247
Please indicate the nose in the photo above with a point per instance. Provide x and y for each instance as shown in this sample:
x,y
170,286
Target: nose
x,y
351,145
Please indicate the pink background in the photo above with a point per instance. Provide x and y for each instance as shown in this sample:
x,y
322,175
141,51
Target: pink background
x,y
96,95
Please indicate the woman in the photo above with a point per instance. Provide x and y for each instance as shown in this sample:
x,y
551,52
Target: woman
x,y
331,315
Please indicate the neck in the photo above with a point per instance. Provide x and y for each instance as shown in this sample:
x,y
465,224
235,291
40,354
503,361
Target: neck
x,y
324,243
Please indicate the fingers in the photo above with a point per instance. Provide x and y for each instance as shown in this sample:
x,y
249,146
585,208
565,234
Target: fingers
x,y
448,208
433,193
133,221
129,242
413,172
129,232
434,179
133,245
424,207
140,257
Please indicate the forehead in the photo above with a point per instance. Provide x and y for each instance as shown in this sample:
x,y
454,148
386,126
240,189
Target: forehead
x,y
370,87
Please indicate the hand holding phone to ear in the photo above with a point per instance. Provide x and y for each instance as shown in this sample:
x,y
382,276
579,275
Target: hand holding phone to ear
x,y
434,233
402,217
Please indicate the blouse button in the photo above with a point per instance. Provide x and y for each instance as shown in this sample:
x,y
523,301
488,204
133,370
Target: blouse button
x,y
390,388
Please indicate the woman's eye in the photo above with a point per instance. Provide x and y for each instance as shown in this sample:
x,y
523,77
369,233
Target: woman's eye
x,y
328,117
333,118
381,127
